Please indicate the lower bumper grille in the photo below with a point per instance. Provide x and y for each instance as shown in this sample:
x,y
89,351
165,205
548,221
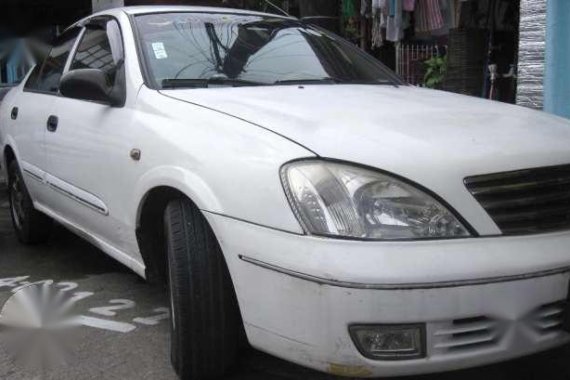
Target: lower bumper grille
x,y
465,334
548,318
482,333
525,201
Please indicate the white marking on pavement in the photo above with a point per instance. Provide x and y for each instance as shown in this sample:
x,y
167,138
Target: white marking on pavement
x,y
109,311
154,320
104,324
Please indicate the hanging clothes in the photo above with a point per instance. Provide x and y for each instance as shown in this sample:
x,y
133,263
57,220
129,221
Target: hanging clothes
x,y
453,12
428,16
392,7
395,24
349,19
378,22
409,5
446,10
377,38
348,9
364,7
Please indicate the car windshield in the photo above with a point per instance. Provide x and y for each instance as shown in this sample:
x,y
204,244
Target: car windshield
x,y
208,50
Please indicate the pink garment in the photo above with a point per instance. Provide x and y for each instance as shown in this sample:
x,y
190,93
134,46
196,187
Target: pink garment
x,y
409,5
428,16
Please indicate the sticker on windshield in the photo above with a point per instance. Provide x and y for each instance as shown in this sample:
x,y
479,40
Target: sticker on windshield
x,y
159,50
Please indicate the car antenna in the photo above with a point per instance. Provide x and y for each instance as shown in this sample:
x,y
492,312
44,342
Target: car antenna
x,y
284,12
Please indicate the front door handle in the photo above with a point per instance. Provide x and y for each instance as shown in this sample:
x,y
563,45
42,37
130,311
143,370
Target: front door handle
x,y
52,123
14,113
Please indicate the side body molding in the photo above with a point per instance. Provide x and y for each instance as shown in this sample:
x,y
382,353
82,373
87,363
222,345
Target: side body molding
x,y
33,172
80,196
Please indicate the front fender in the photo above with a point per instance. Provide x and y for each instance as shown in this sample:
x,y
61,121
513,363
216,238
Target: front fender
x,y
181,179
6,142
225,165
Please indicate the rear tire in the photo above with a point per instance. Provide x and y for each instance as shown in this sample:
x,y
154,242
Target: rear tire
x,y
205,319
32,227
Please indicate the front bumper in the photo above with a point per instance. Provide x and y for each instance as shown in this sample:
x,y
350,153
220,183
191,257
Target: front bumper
x,y
482,300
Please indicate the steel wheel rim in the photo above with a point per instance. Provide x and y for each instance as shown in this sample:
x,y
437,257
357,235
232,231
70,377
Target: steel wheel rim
x,y
17,202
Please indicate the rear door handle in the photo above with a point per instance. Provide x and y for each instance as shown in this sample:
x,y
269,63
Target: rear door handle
x,y
14,113
52,123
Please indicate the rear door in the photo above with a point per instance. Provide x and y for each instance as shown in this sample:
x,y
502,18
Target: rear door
x,y
31,109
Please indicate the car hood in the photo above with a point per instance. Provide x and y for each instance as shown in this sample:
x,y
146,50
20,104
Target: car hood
x,y
431,137
398,128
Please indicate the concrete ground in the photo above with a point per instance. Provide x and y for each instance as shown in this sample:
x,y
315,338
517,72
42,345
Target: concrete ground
x,y
128,337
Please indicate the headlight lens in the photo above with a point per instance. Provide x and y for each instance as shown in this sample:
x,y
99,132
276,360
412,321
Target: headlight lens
x,y
334,199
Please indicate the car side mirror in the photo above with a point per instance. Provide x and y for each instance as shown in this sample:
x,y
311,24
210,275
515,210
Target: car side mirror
x,y
89,84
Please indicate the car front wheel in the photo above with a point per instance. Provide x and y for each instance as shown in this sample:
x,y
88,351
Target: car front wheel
x,y
205,319
32,227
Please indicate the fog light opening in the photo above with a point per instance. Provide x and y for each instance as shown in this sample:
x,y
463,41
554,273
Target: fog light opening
x,y
389,342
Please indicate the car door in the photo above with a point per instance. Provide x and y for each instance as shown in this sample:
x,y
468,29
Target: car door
x,y
87,151
30,111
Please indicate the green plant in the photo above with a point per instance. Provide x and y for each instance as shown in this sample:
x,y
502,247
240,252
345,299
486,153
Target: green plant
x,y
435,73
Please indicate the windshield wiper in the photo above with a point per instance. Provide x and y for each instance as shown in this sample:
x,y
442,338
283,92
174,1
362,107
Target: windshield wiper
x,y
308,81
221,81
330,80
205,83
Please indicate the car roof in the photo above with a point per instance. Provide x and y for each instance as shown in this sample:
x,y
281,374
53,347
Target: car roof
x,y
150,9
146,9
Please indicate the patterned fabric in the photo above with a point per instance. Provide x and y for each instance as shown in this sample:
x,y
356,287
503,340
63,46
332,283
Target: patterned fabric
x,y
377,37
379,15
428,16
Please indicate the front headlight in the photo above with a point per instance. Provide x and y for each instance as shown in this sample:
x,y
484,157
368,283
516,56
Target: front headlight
x,y
334,199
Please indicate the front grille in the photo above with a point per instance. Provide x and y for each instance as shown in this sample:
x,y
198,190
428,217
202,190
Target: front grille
x,y
525,201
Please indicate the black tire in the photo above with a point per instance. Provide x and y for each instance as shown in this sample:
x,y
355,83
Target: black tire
x,y
205,319
32,227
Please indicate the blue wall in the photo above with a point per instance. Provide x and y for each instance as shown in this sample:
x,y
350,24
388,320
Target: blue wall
x,y
557,69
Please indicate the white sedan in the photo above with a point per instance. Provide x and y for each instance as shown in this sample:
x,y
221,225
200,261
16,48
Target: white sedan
x,y
293,192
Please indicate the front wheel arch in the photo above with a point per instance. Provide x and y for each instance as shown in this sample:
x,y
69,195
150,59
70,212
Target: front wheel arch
x,y
9,156
31,226
150,231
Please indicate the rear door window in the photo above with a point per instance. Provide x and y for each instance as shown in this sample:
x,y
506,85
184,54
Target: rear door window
x,y
32,81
